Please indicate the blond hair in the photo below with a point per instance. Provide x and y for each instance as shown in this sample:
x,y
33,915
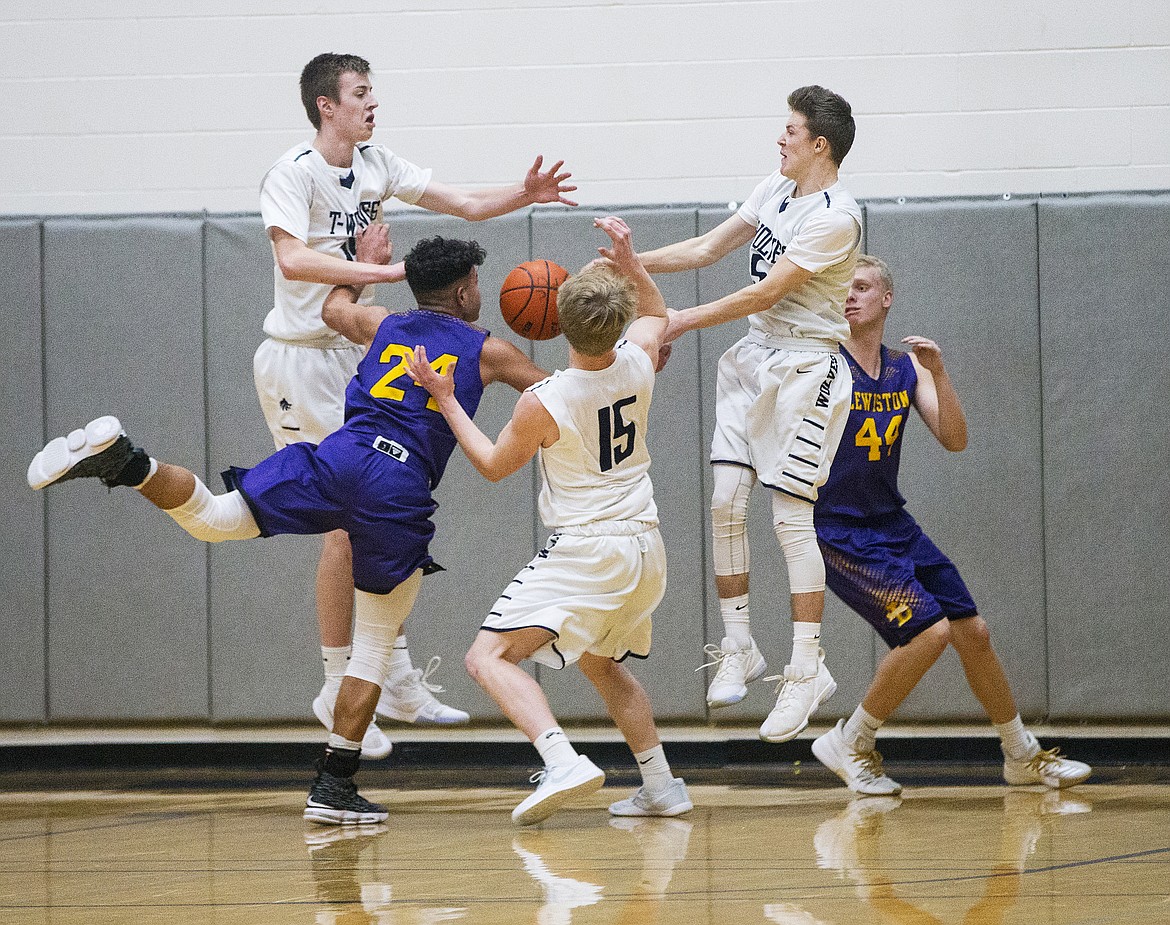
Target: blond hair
x,y
868,261
594,307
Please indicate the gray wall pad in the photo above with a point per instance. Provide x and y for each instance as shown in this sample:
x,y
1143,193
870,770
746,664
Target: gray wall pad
x,y
966,276
156,319
22,512
1105,324
127,589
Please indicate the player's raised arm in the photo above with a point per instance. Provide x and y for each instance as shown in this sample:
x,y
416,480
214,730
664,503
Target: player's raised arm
x,y
700,251
649,328
349,318
935,398
530,427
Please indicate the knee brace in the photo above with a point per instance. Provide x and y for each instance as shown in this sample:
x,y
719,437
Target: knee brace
x,y
793,522
729,504
215,518
377,620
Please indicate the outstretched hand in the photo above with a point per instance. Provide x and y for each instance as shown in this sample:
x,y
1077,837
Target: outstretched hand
x,y
621,256
372,244
548,185
419,368
927,352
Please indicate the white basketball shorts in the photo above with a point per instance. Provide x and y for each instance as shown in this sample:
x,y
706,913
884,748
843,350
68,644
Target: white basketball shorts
x,y
781,410
595,593
302,389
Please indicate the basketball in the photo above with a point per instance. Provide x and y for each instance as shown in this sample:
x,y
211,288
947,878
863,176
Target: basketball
x,y
528,299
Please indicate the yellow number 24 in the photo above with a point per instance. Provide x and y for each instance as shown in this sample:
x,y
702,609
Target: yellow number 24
x,y
399,354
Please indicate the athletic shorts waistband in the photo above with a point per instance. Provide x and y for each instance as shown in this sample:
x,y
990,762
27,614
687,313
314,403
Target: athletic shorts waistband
x,y
802,344
608,528
318,343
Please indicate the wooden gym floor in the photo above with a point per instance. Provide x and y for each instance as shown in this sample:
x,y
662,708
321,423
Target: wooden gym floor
x,y
807,854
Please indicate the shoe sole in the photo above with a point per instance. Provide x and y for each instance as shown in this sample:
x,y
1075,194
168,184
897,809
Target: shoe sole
x,y
328,815
817,748
63,453
402,717
376,751
792,734
738,698
677,810
1060,784
554,801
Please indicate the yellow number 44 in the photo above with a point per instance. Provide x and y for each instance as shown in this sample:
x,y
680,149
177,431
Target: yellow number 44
x,y
398,354
867,435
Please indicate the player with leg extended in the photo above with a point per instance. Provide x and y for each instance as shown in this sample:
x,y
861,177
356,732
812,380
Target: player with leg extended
x,y
588,595
372,478
322,205
880,563
782,391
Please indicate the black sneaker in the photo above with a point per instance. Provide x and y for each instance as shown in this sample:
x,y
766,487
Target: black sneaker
x,y
334,800
99,450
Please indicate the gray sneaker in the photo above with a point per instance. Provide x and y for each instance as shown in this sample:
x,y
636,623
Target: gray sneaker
x,y
334,800
672,801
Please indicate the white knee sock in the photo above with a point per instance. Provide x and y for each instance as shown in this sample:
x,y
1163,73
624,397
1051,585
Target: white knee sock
x,y
214,518
335,660
400,664
377,619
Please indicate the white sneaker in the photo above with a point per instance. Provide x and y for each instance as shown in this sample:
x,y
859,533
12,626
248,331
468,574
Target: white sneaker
x,y
737,666
1047,767
790,914
672,801
65,457
556,787
861,771
375,745
797,700
412,700
838,840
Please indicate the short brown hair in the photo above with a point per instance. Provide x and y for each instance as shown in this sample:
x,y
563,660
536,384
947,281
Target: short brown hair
x,y
827,115
322,77
594,307
868,261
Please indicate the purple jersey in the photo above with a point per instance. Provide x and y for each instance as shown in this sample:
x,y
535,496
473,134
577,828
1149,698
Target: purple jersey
x,y
373,478
863,483
382,400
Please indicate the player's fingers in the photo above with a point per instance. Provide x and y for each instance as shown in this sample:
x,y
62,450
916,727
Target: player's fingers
x,y
555,167
567,202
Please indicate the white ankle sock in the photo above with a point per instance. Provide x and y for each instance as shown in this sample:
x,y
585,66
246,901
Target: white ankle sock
x,y
861,730
1018,745
335,660
656,773
555,748
806,644
336,741
736,622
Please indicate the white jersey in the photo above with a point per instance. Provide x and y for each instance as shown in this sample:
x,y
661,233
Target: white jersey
x,y
820,232
324,206
598,472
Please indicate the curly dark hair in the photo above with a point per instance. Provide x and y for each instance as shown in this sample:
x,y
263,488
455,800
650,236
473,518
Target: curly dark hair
x,y
321,77
826,114
435,263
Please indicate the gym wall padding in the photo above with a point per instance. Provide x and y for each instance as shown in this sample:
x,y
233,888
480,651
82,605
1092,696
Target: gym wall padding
x,y
1051,314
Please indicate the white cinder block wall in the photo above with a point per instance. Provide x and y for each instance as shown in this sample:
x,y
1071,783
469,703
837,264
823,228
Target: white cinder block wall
x,y
156,106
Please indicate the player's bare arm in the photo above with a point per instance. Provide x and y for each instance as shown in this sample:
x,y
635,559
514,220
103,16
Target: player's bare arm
x,y
784,278
475,205
935,398
349,318
298,261
531,425
701,251
500,361
649,327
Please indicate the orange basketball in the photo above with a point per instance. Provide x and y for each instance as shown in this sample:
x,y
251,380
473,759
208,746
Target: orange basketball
x,y
528,299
